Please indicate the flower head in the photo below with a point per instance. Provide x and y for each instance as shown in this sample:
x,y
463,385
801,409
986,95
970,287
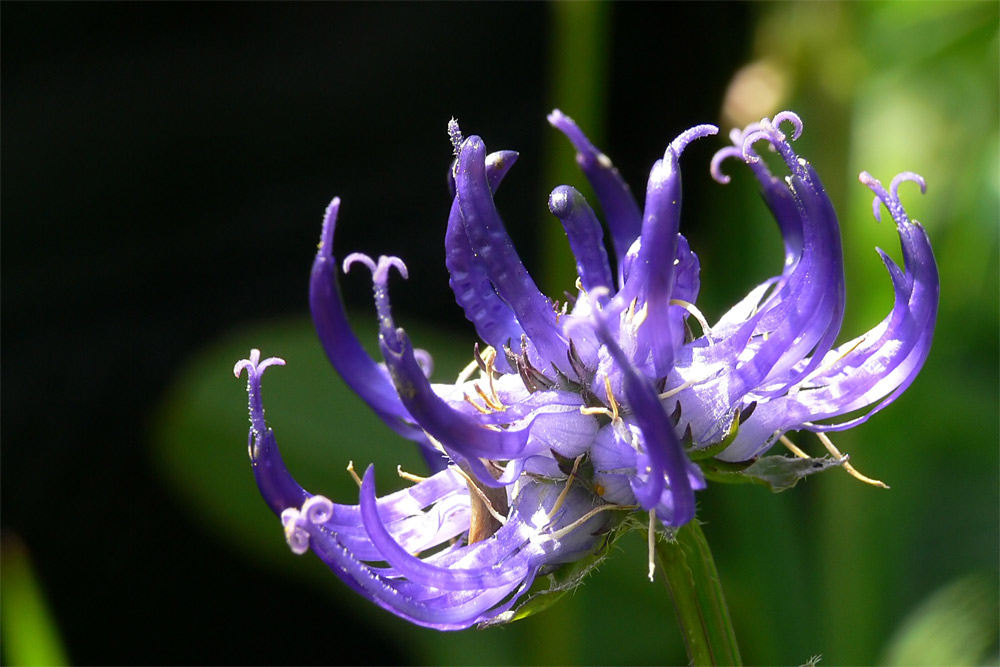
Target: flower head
x,y
575,422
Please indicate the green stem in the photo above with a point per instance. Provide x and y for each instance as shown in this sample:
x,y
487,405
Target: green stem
x,y
693,583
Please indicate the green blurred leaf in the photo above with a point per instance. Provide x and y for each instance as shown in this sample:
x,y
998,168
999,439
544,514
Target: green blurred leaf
x,y
957,625
28,631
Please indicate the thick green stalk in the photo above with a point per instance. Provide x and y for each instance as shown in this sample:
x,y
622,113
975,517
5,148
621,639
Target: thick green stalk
x,y
696,591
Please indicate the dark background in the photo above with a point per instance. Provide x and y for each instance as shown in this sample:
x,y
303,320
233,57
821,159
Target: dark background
x,y
164,172
165,169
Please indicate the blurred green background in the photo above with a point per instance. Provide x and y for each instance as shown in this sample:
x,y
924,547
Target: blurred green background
x,y
165,169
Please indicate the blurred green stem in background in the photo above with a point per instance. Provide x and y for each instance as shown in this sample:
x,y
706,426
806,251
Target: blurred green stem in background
x,y
696,591
578,76
27,630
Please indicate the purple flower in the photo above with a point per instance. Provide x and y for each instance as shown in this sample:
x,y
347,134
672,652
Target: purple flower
x,y
578,421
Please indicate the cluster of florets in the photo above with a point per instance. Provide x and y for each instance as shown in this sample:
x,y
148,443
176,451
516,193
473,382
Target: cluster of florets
x,y
574,423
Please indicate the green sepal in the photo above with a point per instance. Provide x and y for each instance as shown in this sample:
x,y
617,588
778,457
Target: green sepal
x,y
724,471
712,450
777,473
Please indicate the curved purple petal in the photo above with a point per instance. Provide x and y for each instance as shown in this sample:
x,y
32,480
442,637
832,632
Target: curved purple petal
x,y
487,234
457,431
888,363
649,280
493,319
876,367
620,208
417,604
687,280
808,308
663,449
279,490
342,347
762,355
585,237
499,571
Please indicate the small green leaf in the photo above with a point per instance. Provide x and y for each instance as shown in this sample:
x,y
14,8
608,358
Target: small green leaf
x,y
778,473
783,472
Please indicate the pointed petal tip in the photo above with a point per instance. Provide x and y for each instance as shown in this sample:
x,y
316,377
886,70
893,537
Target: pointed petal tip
x,y
325,247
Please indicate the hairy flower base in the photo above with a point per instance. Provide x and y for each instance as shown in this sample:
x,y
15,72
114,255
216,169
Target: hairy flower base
x,y
576,422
